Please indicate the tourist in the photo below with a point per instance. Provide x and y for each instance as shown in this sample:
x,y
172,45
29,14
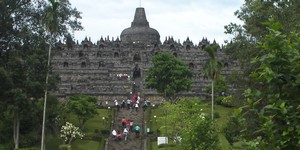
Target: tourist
x,y
123,103
124,121
128,124
116,103
131,125
114,133
145,105
138,102
136,107
125,133
137,130
128,103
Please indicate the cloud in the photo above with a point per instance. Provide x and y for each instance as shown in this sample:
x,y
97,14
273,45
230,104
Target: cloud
x,y
181,19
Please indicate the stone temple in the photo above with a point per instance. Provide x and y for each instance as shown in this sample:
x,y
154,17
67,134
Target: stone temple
x,y
113,68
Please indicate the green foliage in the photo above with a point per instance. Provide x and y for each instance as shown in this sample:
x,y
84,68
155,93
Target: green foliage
x,y
275,102
83,106
234,126
23,64
243,47
212,68
186,120
169,75
199,134
220,85
226,101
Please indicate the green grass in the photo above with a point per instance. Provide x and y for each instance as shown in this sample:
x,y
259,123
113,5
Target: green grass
x,y
220,123
97,122
87,145
93,127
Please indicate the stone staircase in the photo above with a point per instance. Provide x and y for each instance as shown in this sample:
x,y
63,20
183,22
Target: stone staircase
x,y
132,142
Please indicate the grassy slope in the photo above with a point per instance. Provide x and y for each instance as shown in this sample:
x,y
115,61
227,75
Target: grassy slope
x,y
221,122
96,123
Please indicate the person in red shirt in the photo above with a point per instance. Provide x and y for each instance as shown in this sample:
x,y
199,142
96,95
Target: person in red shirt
x,y
124,121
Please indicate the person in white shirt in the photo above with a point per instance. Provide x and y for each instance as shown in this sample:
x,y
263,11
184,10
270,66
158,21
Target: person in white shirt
x,y
114,132
125,132
137,107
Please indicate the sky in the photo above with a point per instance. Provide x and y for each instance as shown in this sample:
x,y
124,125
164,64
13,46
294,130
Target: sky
x,y
179,19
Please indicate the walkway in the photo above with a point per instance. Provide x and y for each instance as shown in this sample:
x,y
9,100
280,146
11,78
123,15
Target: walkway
x,y
132,143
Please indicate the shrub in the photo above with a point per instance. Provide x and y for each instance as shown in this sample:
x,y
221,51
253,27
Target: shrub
x,y
227,101
233,128
69,132
219,100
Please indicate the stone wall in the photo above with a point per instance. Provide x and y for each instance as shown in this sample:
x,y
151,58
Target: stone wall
x,y
105,69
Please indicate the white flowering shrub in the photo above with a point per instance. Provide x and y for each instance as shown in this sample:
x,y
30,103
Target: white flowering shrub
x,y
70,132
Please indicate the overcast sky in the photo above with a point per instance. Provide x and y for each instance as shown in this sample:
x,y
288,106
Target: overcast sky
x,y
177,18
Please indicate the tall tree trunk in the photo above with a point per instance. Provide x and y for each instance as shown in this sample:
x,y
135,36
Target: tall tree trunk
x,y
212,100
45,99
16,129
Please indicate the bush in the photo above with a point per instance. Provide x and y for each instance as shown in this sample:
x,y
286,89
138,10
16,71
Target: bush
x,y
219,100
227,101
65,147
233,128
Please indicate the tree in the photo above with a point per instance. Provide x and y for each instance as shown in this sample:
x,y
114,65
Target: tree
x,y
275,101
69,132
200,133
212,69
83,106
58,18
169,76
253,14
23,56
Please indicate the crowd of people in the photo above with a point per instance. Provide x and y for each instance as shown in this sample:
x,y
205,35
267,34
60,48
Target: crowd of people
x,y
127,126
134,103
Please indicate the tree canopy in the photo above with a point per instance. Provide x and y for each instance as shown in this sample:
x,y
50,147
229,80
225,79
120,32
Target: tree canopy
x,y
23,56
83,106
169,75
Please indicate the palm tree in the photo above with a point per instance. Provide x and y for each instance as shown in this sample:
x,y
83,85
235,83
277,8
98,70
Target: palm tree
x,y
212,69
52,25
58,19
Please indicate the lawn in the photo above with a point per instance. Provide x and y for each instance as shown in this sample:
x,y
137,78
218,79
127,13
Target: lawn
x,y
96,131
221,120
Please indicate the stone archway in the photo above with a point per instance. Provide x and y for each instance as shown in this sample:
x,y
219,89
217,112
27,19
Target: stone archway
x,y
136,72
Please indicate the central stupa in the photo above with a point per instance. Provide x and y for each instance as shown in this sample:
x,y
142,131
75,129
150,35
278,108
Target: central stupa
x,y
140,32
